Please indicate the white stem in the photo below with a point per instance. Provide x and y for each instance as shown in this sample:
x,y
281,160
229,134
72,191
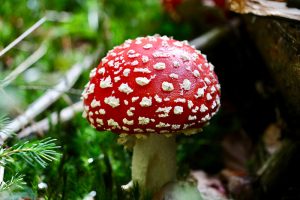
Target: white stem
x,y
154,162
1,174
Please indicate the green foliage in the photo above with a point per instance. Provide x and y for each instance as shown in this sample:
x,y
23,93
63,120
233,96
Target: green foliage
x,y
41,152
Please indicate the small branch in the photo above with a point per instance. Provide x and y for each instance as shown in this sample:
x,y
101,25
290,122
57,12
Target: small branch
x,y
24,65
43,125
48,98
213,35
23,35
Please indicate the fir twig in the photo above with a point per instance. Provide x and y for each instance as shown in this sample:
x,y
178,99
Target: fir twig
x,y
16,182
42,151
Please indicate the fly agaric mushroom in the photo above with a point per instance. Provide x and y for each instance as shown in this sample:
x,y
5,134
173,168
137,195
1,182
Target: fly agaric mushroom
x,y
153,88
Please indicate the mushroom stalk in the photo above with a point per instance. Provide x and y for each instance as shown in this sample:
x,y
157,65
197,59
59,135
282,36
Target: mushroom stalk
x,y
154,162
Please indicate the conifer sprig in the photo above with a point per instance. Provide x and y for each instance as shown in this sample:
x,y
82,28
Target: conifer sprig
x,y
41,151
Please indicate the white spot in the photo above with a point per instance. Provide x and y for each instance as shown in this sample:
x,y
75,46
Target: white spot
x,y
186,84
218,100
173,75
195,109
126,72
117,78
192,117
93,73
111,63
159,66
112,101
138,42
190,104
195,56
208,96
84,114
166,86
207,80
211,67
146,102
176,64
203,108
125,128
164,109
178,43
150,130
126,102
167,99
134,99
112,123
95,103
118,71
144,120
159,54
128,122
142,81
178,110
213,105
91,88
145,59
125,88
138,130
142,70
129,111
196,73
175,126
102,112
106,82
157,99
134,55
147,46
162,125
205,118
200,93
99,122
91,120
104,60
184,57
181,100
212,89
134,63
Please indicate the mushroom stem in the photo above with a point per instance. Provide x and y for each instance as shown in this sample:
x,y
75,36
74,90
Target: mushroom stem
x,y
154,162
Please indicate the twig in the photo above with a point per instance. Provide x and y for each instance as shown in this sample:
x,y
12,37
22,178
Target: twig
x,y
49,97
24,65
23,35
43,125
211,36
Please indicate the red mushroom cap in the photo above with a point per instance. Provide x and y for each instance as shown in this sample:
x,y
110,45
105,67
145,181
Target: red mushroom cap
x,y
151,84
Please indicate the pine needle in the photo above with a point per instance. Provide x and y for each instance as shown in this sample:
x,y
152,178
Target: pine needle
x,y
16,182
42,152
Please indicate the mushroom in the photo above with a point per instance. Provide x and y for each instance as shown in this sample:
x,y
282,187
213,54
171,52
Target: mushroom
x,y
152,88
